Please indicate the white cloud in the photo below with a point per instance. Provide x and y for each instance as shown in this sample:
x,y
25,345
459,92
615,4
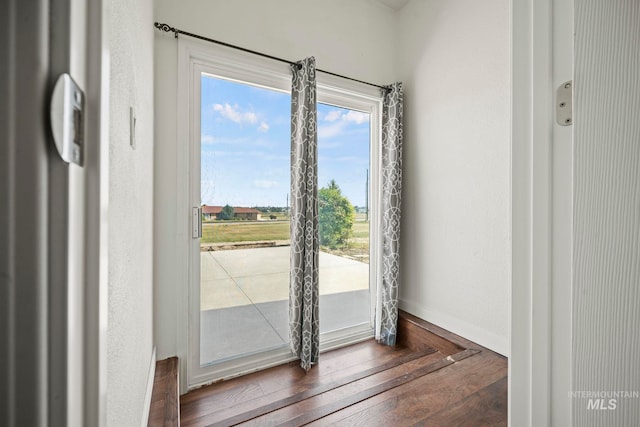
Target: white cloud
x,y
332,116
264,127
250,117
235,114
356,117
351,116
263,183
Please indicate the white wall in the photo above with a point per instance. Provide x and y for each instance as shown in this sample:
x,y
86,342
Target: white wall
x,y
130,316
606,218
454,61
355,38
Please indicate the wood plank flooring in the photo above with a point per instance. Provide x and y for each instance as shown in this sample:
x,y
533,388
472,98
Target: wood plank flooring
x,y
164,411
432,377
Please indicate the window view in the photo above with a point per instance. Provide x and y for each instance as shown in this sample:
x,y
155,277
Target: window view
x,y
244,190
343,210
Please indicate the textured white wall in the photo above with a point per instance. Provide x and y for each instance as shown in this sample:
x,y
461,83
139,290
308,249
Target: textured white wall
x,y
454,59
456,246
130,316
355,38
606,263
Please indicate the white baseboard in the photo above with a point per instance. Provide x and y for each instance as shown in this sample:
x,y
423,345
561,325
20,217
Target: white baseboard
x,y
147,397
466,330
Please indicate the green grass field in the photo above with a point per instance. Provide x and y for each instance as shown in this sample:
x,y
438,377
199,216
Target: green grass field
x,y
222,232
256,231
360,229
251,231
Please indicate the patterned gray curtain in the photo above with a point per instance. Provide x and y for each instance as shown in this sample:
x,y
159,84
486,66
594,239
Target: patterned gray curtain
x,y
304,324
387,313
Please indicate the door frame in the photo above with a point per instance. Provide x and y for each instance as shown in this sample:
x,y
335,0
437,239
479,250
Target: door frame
x,y
194,57
540,309
224,62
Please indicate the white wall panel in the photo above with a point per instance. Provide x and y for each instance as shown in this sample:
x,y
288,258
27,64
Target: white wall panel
x,y
131,215
606,295
453,57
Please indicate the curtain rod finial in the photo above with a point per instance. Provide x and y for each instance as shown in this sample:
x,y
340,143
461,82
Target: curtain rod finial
x,y
166,28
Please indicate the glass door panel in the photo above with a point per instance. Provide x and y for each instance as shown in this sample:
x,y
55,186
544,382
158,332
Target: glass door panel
x,y
244,184
343,206
244,249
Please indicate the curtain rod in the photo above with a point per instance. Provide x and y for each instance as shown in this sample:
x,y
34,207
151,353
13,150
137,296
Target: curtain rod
x,y
167,28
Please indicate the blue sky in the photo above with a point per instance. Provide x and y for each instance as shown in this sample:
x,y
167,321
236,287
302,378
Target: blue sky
x,y
245,135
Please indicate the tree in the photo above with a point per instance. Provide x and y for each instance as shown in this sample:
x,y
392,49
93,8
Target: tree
x,y
336,215
227,212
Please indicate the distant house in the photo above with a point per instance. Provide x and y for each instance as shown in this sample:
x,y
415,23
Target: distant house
x,y
248,213
212,212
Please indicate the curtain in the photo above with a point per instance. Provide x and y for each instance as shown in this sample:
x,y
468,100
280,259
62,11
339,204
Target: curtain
x,y
304,324
387,313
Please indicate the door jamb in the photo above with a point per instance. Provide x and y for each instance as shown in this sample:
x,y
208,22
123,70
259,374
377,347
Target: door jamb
x,y
530,173
532,185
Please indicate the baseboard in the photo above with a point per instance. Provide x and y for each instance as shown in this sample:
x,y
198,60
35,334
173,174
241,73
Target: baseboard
x,y
147,397
469,331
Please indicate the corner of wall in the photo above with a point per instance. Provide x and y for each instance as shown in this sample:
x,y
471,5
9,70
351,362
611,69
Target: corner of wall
x,y
478,335
456,244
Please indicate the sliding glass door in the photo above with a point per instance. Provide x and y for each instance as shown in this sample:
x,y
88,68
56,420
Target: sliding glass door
x,y
244,248
239,174
343,207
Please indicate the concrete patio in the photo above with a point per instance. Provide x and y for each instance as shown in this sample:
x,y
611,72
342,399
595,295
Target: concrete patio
x,y
244,299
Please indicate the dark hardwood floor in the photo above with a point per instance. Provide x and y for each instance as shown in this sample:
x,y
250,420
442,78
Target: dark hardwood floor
x,y
432,377
165,397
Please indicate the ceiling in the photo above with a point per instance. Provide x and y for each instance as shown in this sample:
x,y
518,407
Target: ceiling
x,y
394,4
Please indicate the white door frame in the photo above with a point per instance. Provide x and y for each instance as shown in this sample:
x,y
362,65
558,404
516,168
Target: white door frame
x,y
195,57
96,274
540,310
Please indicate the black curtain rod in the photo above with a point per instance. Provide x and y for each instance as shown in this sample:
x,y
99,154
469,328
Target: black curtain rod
x,y
169,29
